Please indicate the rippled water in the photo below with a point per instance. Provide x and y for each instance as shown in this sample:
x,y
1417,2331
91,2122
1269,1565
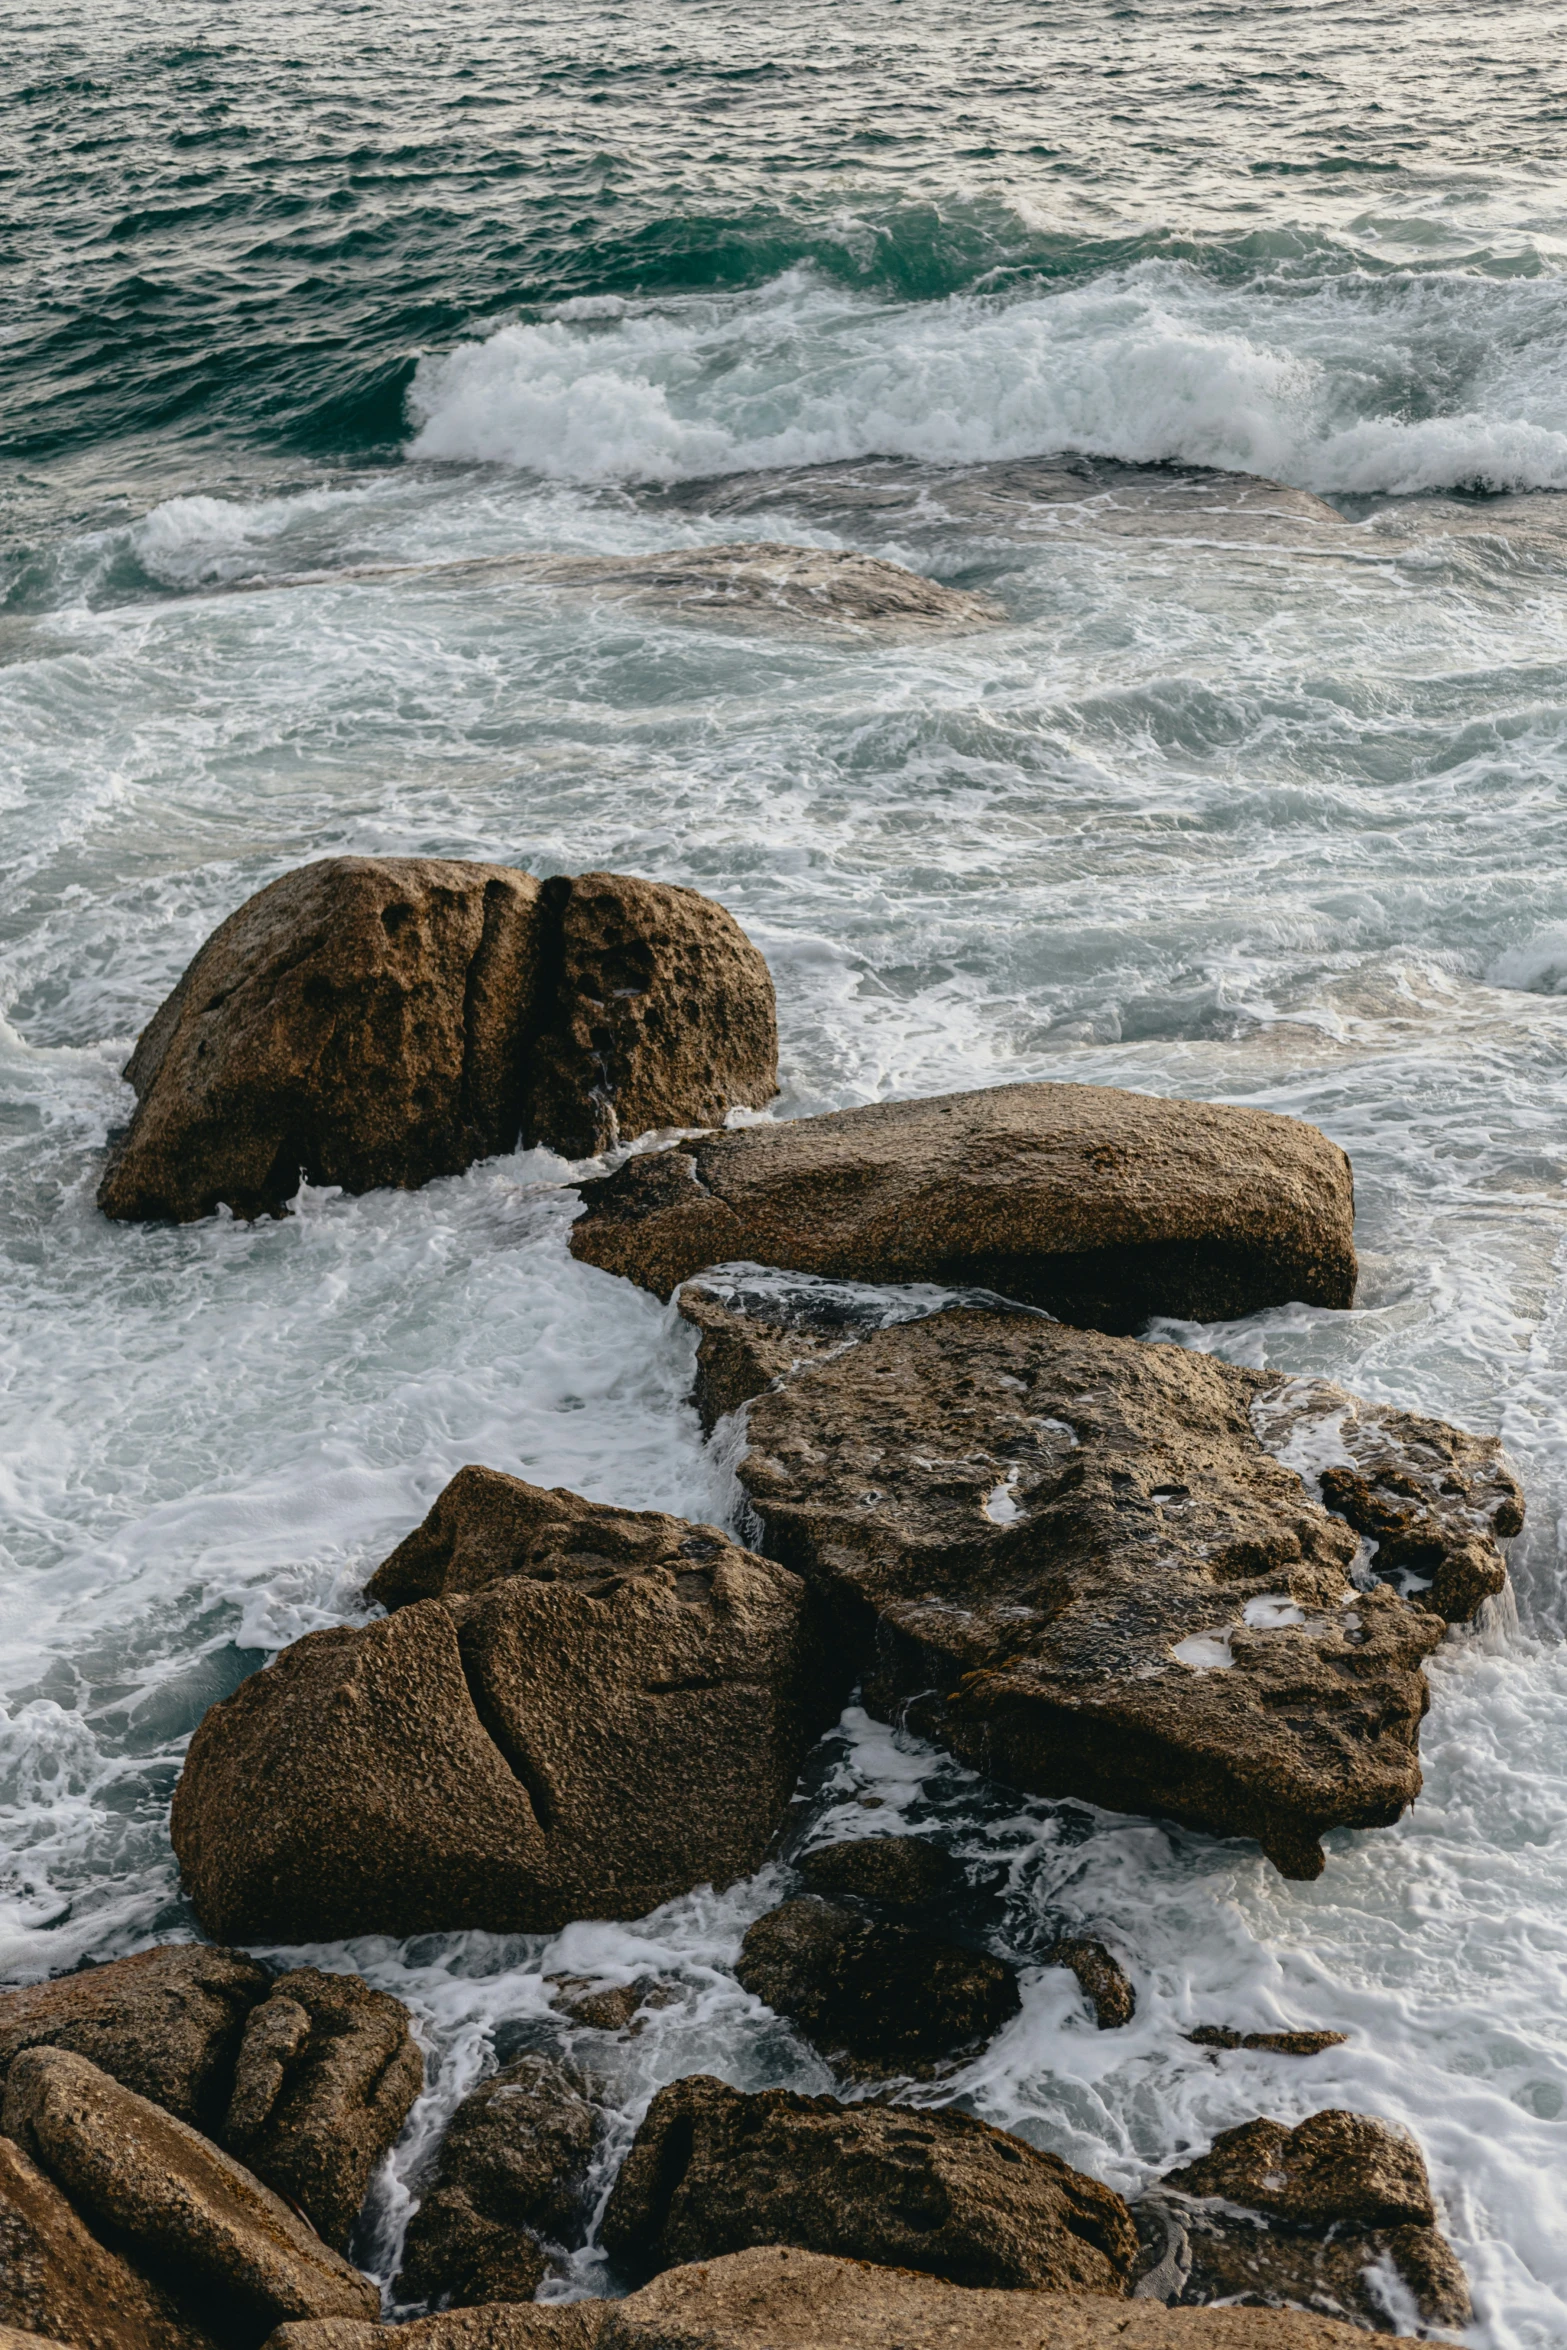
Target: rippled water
x,y
1278,819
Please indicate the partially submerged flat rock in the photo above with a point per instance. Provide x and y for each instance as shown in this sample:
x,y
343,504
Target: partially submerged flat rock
x,y
586,1738
511,2171
183,2210
875,1997
712,2170
326,2077
1100,1206
819,587
59,2281
896,1872
1105,1982
166,2023
372,1021
1074,1562
1307,2043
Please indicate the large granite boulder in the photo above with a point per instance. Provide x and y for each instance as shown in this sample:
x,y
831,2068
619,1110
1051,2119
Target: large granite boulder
x,y
512,2171
1335,2215
712,2170
326,2076
385,1020
166,2023
1102,1207
186,2214
581,1739
875,1998
58,2280
1074,1560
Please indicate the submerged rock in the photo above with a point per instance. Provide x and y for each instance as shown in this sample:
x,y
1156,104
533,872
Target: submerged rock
x,y
385,1020
166,2023
1072,1560
1335,2215
511,2170
184,2212
873,1997
899,1872
327,2075
713,2170
1106,1984
585,1738
1271,2043
1101,1207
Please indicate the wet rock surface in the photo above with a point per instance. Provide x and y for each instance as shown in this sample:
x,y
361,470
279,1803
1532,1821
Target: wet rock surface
x,y
374,1021
713,2170
166,2023
874,1997
511,2171
1336,2214
1100,1206
326,2076
1273,2043
185,2213
898,1872
1072,1560
1106,1985
608,2007
586,1743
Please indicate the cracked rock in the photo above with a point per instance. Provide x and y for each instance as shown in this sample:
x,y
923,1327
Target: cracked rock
x,y
166,2023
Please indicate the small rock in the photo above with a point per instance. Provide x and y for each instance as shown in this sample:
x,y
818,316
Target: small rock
x,y
1338,2166
328,2073
178,2206
712,2170
166,2023
1275,2043
58,2280
1105,1982
512,2168
900,1872
607,2007
874,1997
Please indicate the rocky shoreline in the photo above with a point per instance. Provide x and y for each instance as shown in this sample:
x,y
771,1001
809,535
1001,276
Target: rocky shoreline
x,y
1090,1566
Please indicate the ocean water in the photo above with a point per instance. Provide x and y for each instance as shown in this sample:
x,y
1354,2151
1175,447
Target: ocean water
x,y
294,292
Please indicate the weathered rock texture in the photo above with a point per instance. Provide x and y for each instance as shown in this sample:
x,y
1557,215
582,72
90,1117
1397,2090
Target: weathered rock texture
x,y
1106,1984
326,2077
57,2279
773,2298
379,1020
1273,2043
874,1997
585,1738
166,2023
1319,2216
1071,1557
1102,1207
609,2007
898,1872
185,2213
712,2170
512,2169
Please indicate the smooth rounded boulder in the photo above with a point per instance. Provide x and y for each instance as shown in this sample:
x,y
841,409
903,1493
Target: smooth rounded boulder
x,y
1099,1206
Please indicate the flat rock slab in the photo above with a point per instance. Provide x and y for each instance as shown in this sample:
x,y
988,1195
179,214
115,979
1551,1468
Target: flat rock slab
x,y
1099,1206
374,1021
712,2170
1074,1561
585,1738
166,2023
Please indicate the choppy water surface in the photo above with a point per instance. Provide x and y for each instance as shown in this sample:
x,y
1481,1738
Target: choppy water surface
x,y
1280,819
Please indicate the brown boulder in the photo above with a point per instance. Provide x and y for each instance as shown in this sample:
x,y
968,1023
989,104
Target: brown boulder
x,y
586,1738
385,1020
712,2170
495,2325
327,2075
184,2211
1102,1207
58,2280
512,2169
898,1872
1106,1984
1336,2167
1078,1566
874,1998
166,2023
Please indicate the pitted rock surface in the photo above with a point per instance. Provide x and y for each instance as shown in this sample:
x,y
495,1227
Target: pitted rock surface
x,y
57,2280
875,1997
1073,1561
512,2169
1100,1206
896,1872
166,2023
1105,1983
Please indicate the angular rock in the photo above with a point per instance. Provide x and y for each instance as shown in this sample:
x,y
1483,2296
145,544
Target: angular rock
x,y
1100,1206
608,2007
1074,1561
587,1738
327,2075
58,2280
1106,1984
385,1020
166,2023
712,2171
1319,2216
874,1998
187,2213
899,1872
512,2169
1273,2043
